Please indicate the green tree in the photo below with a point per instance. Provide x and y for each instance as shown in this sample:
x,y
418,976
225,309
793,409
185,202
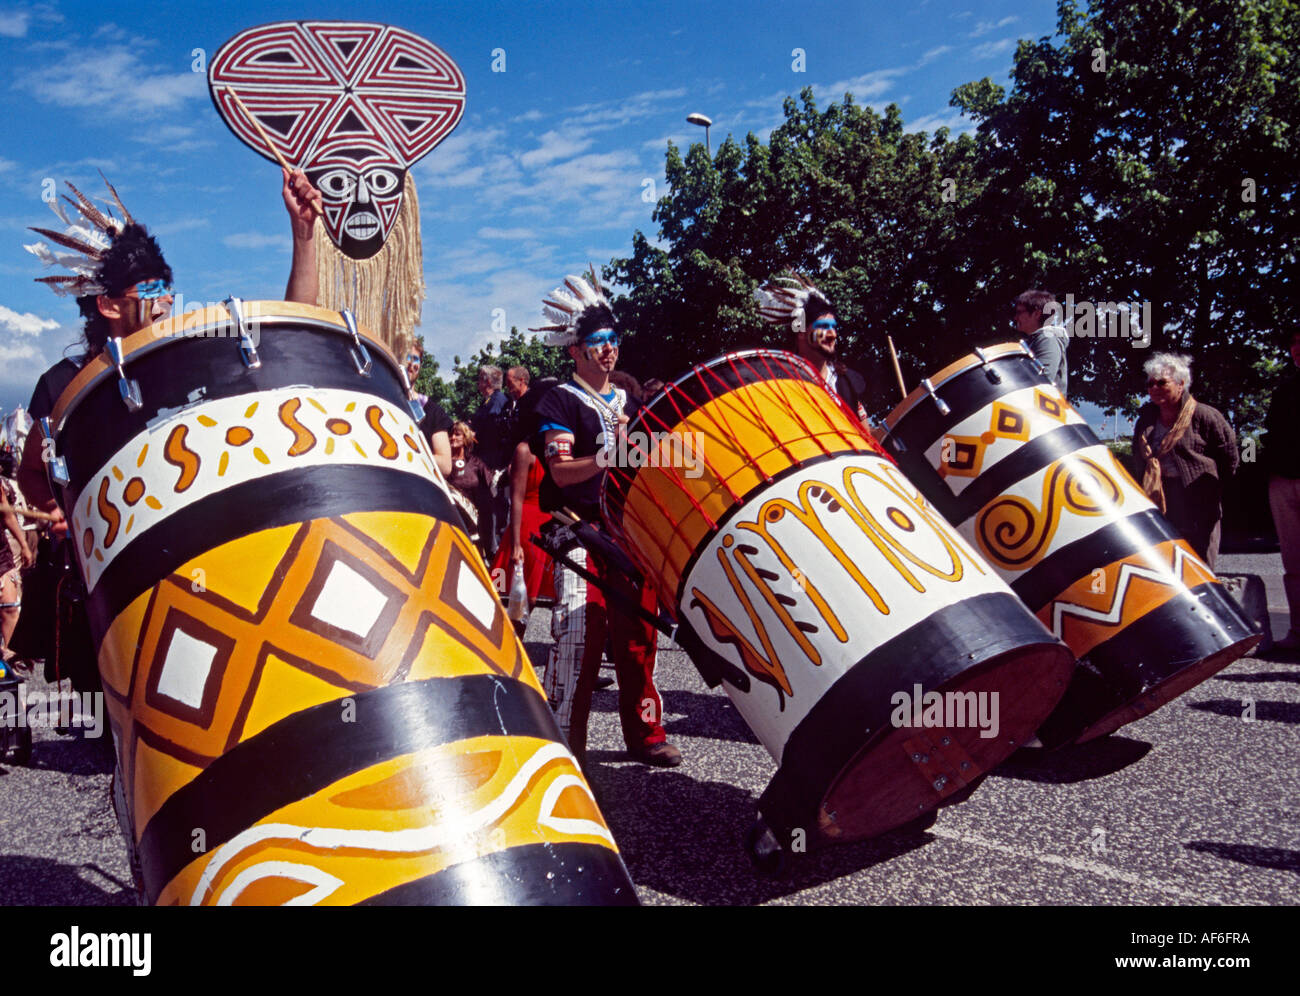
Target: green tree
x,y
844,195
1148,156
1145,153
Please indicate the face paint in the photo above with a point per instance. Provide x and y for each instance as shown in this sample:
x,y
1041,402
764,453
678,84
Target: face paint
x,y
149,290
595,343
822,333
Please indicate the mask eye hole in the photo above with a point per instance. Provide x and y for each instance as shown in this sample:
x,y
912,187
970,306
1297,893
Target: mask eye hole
x,y
381,181
337,183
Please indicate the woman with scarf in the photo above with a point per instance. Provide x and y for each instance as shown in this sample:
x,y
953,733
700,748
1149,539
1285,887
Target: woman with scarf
x,y
1186,451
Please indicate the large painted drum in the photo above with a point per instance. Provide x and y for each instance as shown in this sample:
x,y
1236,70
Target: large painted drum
x,y
1000,452
878,659
315,693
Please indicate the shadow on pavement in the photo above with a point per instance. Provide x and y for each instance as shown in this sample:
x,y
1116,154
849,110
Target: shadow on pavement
x,y
1095,759
42,882
1265,711
74,756
685,838
1261,676
690,714
1249,854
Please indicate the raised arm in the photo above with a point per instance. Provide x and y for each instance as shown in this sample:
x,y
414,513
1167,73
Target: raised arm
x,y
302,201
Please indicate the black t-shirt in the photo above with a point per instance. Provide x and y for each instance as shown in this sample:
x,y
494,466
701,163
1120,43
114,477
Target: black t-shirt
x,y
51,384
851,386
435,420
569,408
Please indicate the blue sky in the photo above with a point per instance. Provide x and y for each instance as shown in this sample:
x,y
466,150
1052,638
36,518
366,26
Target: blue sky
x,y
546,170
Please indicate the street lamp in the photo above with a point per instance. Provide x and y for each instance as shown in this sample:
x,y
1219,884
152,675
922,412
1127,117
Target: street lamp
x,y
703,122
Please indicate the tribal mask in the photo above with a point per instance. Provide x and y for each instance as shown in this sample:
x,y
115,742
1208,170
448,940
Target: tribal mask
x,y
353,104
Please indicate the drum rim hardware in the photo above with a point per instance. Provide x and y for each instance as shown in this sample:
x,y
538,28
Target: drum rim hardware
x,y
266,313
360,355
127,389
247,348
57,464
953,370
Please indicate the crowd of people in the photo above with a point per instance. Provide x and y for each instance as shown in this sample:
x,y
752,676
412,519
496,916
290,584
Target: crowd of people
x,y
529,461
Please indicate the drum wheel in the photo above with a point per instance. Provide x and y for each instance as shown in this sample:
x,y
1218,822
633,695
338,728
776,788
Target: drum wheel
x,y
765,851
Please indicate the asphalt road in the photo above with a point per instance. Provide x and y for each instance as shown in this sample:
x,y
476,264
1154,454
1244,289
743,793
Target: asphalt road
x,y
1192,805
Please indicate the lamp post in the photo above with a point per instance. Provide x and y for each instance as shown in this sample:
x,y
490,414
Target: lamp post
x,y
703,122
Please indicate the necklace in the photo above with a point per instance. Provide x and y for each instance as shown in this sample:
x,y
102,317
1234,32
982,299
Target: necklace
x,y
609,412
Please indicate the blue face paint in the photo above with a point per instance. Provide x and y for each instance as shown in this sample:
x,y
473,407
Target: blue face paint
x,y
825,323
602,337
149,290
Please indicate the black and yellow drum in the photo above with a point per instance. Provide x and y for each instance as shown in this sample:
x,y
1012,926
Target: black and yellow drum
x,y
1000,452
863,638
315,693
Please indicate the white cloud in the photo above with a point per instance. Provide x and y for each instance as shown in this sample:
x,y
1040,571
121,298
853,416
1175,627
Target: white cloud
x,y
984,27
113,80
257,240
513,234
990,49
13,24
25,323
533,115
555,145
934,53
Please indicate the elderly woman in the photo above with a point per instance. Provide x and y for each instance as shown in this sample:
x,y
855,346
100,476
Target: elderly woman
x,y
1186,452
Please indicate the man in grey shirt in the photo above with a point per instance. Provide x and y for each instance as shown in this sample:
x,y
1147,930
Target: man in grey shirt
x,y
1035,316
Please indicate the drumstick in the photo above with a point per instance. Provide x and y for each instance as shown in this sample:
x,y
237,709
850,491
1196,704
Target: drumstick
x,y
32,513
893,355
267,139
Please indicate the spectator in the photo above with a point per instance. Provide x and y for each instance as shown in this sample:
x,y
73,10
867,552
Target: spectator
x,y
1186,452
470,478
1046,340
1282,459
517,551
414,361
491,428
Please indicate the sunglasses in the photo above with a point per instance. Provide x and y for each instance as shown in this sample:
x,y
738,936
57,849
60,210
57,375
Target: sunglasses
x,y
1157,383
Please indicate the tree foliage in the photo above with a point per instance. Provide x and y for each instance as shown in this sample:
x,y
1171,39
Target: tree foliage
x,y
1144,153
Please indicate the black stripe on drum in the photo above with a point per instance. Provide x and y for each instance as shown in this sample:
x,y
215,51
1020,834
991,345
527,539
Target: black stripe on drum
x,y
1028,459
567,874
856,709
1061,568
687,395
965,394
312,749
1146,654
291,356
276,500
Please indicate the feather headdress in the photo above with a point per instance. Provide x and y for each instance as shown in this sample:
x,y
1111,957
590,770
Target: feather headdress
x,y
89,234
568,304
782,300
